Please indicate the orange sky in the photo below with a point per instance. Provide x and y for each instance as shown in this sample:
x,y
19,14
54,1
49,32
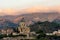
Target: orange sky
x,y
32,9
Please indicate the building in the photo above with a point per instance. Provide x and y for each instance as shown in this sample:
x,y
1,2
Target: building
x,y
55,32
7,31
49,33
59,31
23,29
3,31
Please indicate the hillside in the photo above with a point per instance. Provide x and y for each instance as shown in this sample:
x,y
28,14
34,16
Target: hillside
x,y
34,17
47,21
45,26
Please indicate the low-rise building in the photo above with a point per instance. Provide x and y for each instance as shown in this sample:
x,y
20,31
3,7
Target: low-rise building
x,y
55,32
58,31
49,33
7,31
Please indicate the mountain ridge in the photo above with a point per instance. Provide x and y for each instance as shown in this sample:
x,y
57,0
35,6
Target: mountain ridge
x,y
31,18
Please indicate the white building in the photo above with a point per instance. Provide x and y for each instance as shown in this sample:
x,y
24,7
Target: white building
x,y
58,31
49,33
55,32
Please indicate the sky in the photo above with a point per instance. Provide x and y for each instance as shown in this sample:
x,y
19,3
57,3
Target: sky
x,y
10,6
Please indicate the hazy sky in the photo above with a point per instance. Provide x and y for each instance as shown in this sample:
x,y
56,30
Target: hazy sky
x,y
19,4
7,5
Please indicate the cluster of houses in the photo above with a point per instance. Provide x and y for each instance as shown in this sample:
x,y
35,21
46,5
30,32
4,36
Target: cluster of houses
x,y
54,33
6,31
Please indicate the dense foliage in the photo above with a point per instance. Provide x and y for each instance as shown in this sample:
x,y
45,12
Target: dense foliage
x,y
45,26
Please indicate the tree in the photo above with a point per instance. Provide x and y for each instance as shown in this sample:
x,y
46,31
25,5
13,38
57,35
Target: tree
x,y
41,34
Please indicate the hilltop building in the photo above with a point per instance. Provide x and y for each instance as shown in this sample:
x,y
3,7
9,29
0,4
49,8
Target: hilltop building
x,y
23,29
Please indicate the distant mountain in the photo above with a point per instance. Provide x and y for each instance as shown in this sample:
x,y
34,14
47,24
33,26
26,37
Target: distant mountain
x,y
42,16
8,17
34,17
13,21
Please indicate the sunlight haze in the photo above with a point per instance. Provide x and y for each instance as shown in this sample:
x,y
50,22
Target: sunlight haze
x,y
12,6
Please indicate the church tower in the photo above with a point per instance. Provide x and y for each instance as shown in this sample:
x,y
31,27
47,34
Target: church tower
x,y
23,29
